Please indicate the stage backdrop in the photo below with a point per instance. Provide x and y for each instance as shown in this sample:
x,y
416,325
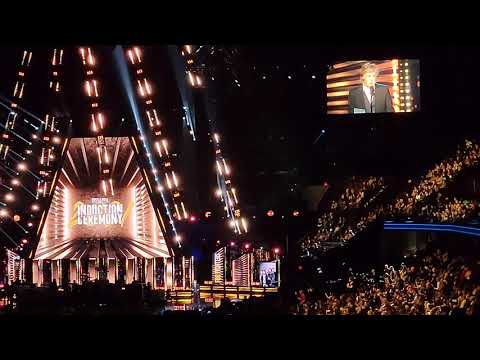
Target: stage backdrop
x,y
84,221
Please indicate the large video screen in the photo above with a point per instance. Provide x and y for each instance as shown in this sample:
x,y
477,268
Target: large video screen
x,y
84,220
268,274
373,86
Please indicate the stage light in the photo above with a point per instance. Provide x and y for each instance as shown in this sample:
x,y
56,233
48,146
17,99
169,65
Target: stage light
x,y
218,192
30,224
34,136
9,197
270,213
16,218
3,213
325,184
232,243
276,250
35,207
192,218
232,223
160,188
15,182
22,167
244,223
296,213
247,246
178,238
56,140
190,76
24,241
227,171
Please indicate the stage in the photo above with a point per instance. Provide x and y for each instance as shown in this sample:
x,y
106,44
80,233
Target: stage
x,y
106,230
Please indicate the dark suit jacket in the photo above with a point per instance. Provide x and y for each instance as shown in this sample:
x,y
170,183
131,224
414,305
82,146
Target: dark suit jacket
x,y
358,99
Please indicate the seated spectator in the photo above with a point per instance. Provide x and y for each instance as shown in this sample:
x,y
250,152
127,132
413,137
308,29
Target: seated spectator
x,y
340,224
433,284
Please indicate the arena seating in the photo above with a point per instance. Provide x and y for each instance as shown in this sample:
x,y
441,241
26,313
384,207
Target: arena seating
x,y
358,206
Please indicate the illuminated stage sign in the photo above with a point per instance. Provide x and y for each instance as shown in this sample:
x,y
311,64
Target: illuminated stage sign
x,y
99,212
91,214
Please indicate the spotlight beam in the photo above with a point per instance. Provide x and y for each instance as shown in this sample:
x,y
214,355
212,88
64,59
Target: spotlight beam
x,y
8,237
29,123
21,227
6,168
19,108
28,191
8,187
15,153
127,86
17,135
34,175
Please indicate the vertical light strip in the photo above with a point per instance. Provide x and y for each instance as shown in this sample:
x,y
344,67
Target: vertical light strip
x,y
396,87
232,210
145,91
98,122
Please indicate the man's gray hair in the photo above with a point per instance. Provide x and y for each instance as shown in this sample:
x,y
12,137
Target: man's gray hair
x,y
368,67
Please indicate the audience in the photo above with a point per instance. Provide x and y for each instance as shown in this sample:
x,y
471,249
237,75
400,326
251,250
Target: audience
x,y
448,210
336,225
438,178
356,192
427,283
343,221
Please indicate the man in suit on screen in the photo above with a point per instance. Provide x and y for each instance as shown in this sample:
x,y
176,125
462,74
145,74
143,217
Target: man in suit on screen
x,y
370,97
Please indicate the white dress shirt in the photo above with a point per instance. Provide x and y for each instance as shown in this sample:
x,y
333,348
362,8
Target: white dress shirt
x,y
368,93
